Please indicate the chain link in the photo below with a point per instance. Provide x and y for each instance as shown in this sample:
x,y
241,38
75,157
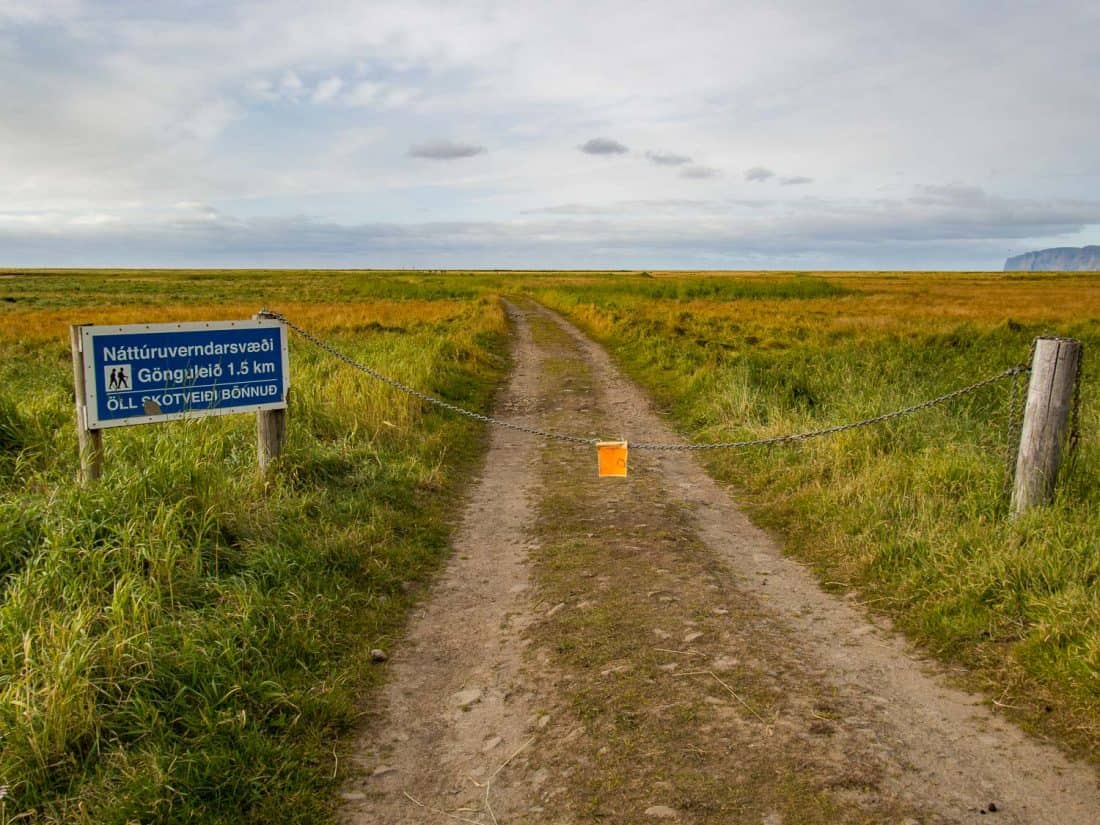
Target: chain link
x,y
866,422
423,396
1074,442
590,442
1012,434
1016,402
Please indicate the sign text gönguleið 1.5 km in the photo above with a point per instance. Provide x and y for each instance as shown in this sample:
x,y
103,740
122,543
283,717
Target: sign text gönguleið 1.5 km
x,y
144,373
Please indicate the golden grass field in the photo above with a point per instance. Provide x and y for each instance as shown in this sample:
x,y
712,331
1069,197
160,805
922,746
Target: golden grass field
x,y
182,642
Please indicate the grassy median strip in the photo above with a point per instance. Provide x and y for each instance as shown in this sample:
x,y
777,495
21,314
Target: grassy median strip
x,y
690,698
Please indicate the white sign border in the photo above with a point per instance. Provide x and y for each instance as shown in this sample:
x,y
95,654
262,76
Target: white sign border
x,y
87,333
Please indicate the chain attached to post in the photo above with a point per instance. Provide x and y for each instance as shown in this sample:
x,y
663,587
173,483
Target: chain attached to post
x,y
866,422
1073,443
1073,437
1016,401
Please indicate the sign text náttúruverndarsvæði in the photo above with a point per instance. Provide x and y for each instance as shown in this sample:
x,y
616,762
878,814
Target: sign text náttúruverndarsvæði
x,y
144,373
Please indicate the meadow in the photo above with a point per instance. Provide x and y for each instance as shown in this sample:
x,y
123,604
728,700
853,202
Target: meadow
x,y
911,515
187,640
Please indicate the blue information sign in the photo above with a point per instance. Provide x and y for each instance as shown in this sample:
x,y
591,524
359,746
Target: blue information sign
x,y
144,373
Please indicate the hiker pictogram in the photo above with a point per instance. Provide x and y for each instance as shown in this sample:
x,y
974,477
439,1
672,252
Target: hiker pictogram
x,y
118,377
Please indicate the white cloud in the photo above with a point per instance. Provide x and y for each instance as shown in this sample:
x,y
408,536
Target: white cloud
x,y
808,232
291,86
37,11
668,158
260,89
698,172
396,98
109,104
10,219
209,119
649,207
363,94
96,219
327,89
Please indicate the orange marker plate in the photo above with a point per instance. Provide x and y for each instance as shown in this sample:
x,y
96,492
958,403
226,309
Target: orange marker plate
x,y
612,458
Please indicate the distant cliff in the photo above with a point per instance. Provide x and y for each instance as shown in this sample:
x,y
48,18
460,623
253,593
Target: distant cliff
x,y
1063,258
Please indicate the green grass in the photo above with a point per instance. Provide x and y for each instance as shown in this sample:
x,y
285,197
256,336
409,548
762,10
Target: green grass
x,y
185,641
912,513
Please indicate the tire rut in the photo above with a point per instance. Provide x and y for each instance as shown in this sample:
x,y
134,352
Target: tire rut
x,y
636,649
455,704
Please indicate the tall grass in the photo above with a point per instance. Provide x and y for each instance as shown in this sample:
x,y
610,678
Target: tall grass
x,y
184,641
913,514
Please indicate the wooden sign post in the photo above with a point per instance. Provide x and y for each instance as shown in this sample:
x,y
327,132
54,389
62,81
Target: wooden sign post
x,y
1050,395
89,441
270,428
150,373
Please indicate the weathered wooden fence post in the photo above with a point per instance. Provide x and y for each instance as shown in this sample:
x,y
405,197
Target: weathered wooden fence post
x,y
270,428
1050,395
89,442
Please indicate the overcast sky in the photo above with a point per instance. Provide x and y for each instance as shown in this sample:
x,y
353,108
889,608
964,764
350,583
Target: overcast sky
x,y
814,135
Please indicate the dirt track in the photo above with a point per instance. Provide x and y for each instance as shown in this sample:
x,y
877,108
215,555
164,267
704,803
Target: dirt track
x,y
635,650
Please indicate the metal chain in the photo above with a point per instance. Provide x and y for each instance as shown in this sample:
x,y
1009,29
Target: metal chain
x,y
1016,402
1074,442
1012,436
878,419
430,399
573,439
